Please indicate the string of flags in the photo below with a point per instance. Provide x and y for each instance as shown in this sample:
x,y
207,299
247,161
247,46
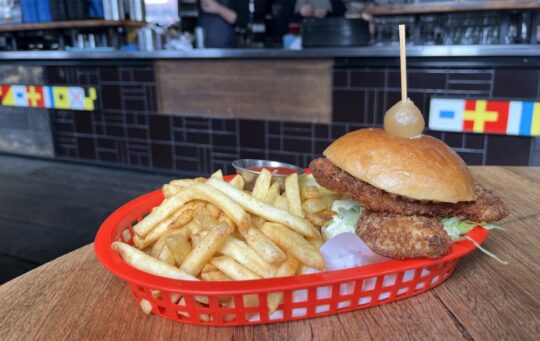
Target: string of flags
x,y
50,97
521,118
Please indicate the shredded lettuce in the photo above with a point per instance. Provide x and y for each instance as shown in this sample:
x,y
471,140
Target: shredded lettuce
x,y
458,228
490,254
348,213
351,215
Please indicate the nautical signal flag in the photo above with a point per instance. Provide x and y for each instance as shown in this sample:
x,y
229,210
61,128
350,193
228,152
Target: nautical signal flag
x,y
485,116
50,97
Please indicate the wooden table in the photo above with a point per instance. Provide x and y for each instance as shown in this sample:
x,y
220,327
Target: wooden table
x,y
74,297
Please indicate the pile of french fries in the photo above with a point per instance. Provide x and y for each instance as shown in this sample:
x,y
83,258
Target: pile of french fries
x,y
213,230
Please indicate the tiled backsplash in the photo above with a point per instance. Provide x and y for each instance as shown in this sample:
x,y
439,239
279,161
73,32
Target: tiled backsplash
x,y
202,145
195,145
126,130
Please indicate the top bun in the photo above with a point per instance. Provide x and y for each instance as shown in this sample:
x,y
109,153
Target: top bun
x,y
420,168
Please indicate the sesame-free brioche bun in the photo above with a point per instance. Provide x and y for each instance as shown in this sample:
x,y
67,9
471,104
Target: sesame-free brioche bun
x,y
420,168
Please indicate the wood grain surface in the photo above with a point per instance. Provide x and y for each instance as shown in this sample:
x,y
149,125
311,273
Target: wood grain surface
x,y
298,90
75,298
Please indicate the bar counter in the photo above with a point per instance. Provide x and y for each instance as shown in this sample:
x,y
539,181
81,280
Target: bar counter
x,y
75,297
375,52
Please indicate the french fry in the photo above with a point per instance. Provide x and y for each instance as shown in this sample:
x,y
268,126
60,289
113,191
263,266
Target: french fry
x,y
288,268
244,255
174,186
308,180
236,272
215,276
317,233
224,218
209,244
304,269
309,192
294,244
194,192
205,220
326,214
140,260
187,182
236,234
213,210
179,218
146,306
262,184
262,209
171,228
272,194
165,255
281,203
266,248
318,204
185,216
238,182
217,175
232,269
249,301
194,227
169,190
160,243
202,317
195,240
229,317
257,221
315,219
179,247
292,191
319,218
209,267
315,242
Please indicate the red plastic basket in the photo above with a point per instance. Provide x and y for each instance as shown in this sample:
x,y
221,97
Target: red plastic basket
x,y
304,296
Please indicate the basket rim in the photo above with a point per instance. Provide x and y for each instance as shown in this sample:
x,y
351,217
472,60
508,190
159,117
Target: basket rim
x,y
116,265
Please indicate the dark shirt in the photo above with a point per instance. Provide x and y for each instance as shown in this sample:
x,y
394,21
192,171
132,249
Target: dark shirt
x,y
338,8
218,33
286,14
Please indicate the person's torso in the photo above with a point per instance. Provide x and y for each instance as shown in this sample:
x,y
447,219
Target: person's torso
x,y
217,32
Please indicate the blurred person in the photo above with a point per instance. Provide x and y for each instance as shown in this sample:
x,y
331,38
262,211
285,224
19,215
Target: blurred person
x,y
218,18
294,11
319,8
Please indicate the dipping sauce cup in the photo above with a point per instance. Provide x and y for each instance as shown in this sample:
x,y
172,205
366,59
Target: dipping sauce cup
x,y
249,169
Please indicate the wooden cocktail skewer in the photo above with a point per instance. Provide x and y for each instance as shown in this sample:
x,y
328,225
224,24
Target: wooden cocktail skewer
x,y
404,119
403,62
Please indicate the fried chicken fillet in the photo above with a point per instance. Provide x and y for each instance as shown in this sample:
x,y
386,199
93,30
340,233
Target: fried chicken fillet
x,y
398,236
486,207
